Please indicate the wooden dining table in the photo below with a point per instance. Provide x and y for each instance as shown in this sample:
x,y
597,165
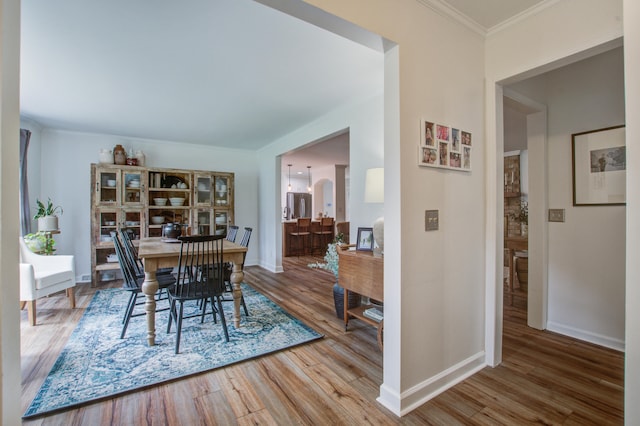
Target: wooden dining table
x,y
156,253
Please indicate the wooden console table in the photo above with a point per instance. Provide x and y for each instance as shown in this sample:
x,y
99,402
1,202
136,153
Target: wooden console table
x,y
363,273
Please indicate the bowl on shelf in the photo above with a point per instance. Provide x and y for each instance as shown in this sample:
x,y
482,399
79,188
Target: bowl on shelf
x,y
109,223
176,201
111,183
160,201
157,220
134,184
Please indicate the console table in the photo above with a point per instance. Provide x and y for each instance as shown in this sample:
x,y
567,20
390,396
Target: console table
x,y
511,245
363,273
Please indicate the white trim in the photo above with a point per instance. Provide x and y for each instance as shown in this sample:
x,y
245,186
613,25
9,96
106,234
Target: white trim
x,y
412,398
445,9
525,14
512,153
587,336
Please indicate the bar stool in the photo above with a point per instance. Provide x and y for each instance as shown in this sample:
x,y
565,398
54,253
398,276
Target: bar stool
x,y
324,235
303,225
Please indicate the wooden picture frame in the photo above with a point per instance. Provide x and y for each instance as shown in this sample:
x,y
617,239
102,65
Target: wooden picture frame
x,y
365,239
599,167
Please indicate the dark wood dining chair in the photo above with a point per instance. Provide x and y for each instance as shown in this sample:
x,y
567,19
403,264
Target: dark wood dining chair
x,y
199,279
133,284
301,235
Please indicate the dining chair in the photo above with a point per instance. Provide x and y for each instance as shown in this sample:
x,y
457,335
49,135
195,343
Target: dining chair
x,y
133,284
324,235
198,280
302,233
232,233
131,253
228,271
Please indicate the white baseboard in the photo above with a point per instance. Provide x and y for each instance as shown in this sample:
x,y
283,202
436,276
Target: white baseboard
x,y
587,336
271,267
403,403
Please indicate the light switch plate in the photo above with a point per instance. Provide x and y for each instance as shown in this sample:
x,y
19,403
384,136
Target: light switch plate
x,y
556,215
431,221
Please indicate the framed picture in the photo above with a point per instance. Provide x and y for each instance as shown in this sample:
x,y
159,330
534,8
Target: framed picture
x,y
365,239
444,147
599,167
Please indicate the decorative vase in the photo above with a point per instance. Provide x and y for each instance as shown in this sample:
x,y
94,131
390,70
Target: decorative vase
x,y
119,155
524,229
48,223
140,157
106,156
338,300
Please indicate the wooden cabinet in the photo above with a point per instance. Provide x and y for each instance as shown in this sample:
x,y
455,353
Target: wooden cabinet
x,y
362,273
140,198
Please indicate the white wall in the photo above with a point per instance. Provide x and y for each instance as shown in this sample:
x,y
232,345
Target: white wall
x,y
587,252
66,178
433,280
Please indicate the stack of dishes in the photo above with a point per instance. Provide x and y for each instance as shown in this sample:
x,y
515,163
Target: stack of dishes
x,y
134,183
111,183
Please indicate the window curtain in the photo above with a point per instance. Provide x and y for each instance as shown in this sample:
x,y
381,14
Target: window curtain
x,y
25,211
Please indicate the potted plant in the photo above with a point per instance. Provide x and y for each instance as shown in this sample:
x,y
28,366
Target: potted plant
x,y
330,264
46,215
522,216
40,243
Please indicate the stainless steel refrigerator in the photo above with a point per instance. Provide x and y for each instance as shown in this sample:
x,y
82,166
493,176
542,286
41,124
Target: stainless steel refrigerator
x,y
298,205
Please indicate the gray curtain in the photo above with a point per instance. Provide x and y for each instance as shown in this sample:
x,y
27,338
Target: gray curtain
x,y
25,211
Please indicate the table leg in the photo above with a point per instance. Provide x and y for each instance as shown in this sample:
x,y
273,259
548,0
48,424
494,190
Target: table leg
x,y
236,278
512,271
149,288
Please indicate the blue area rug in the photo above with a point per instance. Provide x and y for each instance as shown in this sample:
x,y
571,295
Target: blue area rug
x,y
97,364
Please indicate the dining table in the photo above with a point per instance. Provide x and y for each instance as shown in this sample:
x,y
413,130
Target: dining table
x,y
157,252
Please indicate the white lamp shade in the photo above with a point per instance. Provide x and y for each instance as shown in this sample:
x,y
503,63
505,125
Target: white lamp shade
x,y
374,186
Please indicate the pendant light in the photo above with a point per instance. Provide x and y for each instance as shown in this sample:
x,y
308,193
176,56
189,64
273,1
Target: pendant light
x,y
309,175
289,187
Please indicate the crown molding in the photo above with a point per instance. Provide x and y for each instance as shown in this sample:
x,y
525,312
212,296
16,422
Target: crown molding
x,y
525,14
445,9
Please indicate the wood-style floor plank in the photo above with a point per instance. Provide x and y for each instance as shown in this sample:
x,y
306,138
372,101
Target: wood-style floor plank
x,y
545,378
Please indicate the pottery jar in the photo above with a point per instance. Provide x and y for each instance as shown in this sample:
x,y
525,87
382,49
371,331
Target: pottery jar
x,y
119,155
106,156
140,157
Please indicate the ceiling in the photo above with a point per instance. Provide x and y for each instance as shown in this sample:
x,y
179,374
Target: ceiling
x,y
230,73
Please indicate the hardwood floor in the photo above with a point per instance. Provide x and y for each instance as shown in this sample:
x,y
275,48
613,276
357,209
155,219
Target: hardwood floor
x,y
545,378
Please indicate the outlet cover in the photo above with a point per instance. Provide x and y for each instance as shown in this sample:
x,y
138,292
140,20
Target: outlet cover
x,y
556,215
431,220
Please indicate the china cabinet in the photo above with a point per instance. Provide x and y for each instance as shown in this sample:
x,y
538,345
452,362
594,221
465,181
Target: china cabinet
x,y
143,199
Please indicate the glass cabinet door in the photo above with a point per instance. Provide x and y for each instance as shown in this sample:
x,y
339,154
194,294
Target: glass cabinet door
x,y
222,220
202,190
108,220
133,220
202,222
221,195
132,188
107,187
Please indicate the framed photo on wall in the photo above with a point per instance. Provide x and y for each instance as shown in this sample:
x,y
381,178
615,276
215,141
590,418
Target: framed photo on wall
x,y
444,147
365,239
599,167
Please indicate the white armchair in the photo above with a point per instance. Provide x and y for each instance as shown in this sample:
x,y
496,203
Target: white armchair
x,y
44,275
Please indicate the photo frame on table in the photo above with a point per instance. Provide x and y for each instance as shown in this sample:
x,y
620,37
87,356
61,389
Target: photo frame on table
x,y
599,167
444,147
365,239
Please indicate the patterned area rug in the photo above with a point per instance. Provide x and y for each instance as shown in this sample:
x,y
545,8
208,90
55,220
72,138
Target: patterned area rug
x,y
97,364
